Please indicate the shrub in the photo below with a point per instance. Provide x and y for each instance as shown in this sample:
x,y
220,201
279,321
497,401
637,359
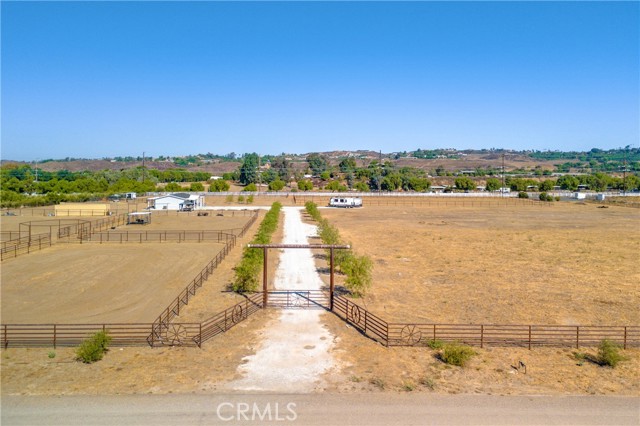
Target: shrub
x,y
457,354
334,185
250,188
358,270
219,185
435,344
229,198
93,348
305,185
609,353
523,194
240,199
51,354
196,187
312,209
172,187
250,199
276,185
361,186
546,197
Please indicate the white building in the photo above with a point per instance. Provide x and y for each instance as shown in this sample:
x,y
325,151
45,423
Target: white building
x,y
178,201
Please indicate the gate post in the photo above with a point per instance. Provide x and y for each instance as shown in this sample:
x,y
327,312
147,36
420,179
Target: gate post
x,y
331,280
265,296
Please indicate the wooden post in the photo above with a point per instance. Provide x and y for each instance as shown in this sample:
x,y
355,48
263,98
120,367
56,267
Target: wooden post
x,y
529,337
481,336
55,335
200,337
265,296
624,346
577,337
331,281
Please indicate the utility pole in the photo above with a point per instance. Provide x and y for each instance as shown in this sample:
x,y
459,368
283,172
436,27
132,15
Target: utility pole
x,y
624,172
259,174
380,173
502,189
143,166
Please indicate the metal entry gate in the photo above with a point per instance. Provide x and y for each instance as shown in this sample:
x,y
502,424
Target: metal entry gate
x,y
298,299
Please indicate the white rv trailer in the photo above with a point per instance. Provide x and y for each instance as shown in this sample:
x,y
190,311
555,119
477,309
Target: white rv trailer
x,y
346,202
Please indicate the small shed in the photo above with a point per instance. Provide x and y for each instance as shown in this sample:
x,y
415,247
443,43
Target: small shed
x,y
139,218
81,209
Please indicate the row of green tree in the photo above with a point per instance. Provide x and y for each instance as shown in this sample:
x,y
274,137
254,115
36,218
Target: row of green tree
x,y
247,273
357,268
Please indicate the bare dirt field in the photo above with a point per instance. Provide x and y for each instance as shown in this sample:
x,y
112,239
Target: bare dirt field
x,y
96,283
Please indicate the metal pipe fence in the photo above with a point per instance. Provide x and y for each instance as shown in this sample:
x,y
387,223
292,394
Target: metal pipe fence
x,y
24,245
122,334
389,334
420,334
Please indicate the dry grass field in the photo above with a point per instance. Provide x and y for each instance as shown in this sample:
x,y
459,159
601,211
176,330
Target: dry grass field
x,y
566,264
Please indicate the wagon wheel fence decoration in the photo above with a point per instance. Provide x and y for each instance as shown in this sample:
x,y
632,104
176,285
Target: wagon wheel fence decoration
x,y
236,314
410,334
298,301
354,314
175,335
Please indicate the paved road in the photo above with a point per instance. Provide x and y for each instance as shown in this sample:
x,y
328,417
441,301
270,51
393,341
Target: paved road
x,y
319,409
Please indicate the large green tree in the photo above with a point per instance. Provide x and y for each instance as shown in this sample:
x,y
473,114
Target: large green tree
x,y
317,163
465,184
249,169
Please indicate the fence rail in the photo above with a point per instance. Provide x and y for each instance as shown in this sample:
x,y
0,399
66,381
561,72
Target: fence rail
x,y
24,245
228,318
122,334
418,334
179,236
369,324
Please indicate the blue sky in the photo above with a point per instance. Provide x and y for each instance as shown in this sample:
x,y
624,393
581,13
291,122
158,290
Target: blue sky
x,y
101,79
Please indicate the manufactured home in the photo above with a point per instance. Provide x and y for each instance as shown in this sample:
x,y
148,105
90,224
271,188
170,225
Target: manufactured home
x,y
178,201
346,202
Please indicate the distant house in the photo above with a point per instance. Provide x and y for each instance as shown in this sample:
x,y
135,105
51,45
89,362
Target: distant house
x,y
181,201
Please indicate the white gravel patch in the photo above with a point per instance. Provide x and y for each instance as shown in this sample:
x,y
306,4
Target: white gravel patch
x,y
295,352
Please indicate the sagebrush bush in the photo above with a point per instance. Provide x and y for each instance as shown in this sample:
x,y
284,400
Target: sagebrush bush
x,y
609,353
457,354
93,348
